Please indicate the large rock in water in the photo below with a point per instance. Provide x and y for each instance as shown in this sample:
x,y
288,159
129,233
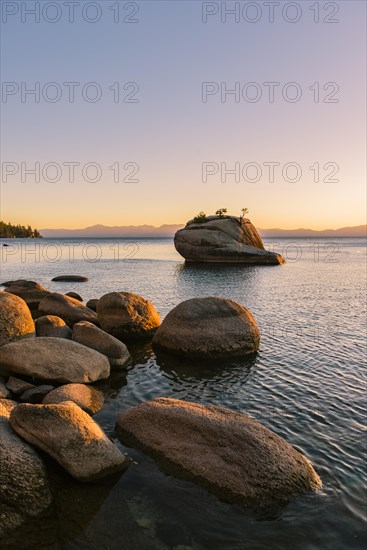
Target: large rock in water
x,y
213,328
71,437
127,316
70,310
228,452
70,278
24,488
15,319
223,240
93,337
54,359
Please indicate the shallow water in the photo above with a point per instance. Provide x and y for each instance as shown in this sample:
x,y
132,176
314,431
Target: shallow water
x,y
307,383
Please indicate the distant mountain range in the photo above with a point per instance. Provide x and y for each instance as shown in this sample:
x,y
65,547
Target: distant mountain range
x,y
150,231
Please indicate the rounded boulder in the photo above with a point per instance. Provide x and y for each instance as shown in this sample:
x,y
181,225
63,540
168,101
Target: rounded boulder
x,y
228,452
15,319
127,316
53,359
51,325
93,337
86,397
70,436
31,292
70,310
212,328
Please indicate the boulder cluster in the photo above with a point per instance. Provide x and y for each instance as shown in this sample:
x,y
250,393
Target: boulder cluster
x,y
54,349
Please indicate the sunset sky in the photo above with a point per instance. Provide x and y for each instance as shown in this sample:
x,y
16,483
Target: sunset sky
x,y
170,132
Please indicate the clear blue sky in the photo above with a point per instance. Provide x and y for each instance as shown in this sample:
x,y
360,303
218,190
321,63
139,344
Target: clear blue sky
x,y
170,132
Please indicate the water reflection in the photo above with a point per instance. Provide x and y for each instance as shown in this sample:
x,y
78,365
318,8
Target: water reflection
x,y
216,279
73,510
189,269
183,370
306,384
113,384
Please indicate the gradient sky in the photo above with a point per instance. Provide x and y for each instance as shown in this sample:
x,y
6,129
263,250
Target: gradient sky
x,y
170,132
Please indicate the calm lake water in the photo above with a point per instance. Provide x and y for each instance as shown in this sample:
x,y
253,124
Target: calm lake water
x,y
307,383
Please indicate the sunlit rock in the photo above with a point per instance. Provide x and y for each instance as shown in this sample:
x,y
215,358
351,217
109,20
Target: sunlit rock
x,y
70,310
74,295
93,337
225,239
71,437
53,359
208,328
231,454
87,398
15,319
31,292
51,325
127,316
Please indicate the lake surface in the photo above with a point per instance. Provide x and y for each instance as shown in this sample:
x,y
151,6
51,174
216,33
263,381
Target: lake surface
x,y
307,383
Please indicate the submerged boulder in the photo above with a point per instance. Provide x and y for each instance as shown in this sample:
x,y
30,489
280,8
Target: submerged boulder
x,y
54,359
127,316
223,240
15,319
93,337
70,310
213,328
228,452
71,437
70,278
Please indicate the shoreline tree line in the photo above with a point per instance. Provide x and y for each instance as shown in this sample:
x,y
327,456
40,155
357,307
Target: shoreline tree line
x,y
9,231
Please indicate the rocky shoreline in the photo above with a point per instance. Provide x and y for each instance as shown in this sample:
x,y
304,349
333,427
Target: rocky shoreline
x,y
54,350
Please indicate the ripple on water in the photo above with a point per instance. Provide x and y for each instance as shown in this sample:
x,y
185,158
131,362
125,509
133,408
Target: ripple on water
x,y
307,383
